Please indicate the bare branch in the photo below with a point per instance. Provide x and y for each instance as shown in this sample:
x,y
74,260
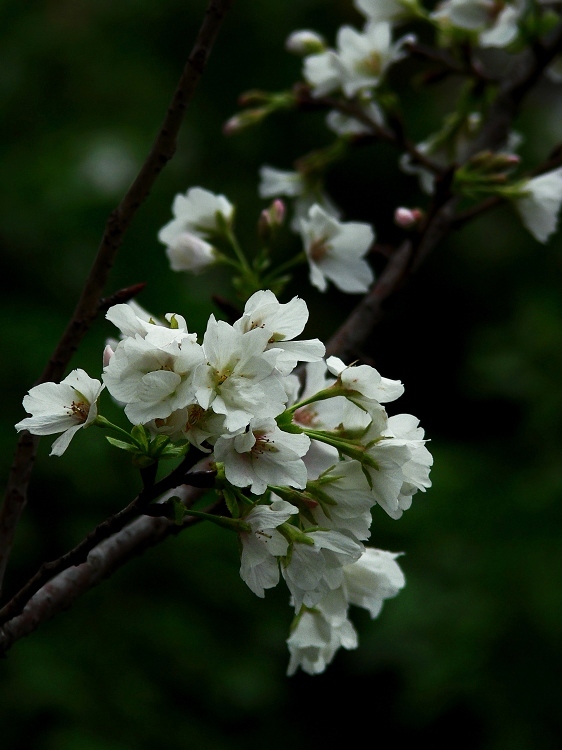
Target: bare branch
x,y
117,224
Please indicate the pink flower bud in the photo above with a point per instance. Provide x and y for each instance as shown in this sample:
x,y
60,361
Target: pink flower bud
x,y
107,355
271,219
407,218
305,43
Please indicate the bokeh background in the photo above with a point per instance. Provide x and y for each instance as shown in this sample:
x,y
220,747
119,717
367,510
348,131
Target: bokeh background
x,y
174,650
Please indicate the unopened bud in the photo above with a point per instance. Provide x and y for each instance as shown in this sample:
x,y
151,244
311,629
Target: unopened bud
x,y
305,42
253,97
108,353
244,120
407,218
271,219
190,253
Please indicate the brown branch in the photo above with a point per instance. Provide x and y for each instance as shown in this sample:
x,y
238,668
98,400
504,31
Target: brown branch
x,y
107,528
62,591
117,224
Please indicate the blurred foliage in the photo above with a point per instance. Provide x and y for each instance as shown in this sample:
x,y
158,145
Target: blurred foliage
x,y
174,650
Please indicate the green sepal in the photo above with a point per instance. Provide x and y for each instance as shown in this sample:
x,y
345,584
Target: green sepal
x,y
141,436
285,423
121,444
231,503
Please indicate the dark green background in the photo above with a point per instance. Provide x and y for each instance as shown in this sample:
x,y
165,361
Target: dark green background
x,y
174,651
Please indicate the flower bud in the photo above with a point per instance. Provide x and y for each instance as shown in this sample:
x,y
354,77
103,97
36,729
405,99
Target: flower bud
x,y
407,218
107,355
244,120
271,219
305,43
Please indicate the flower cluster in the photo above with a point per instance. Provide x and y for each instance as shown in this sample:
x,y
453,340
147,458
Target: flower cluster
x,y
300,466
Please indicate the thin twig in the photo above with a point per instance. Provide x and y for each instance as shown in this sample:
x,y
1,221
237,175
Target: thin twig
x,y
117,224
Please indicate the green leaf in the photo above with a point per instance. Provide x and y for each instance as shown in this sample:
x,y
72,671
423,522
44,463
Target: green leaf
x,y
121,444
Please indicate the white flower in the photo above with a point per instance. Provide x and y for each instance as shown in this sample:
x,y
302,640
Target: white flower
x,y
540,205
387,10
131,319
363,57
315,569
304,42
496,22
153,375
275,182
363,380
335,251
192,423
318,633
238,379
284,322
405,430
346,125
61,407
344,500
372,579
190,253
195,213
263,455
322,72
259,567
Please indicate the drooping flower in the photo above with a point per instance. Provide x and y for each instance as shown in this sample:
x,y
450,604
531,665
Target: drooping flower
x,y
318,633
364,381
376,576
190,253
263,545
335,251
61,407
315,568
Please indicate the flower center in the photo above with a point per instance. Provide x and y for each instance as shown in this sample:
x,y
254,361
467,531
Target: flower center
x,y
370,65
318,249
194,414
79,410
263,444
305,416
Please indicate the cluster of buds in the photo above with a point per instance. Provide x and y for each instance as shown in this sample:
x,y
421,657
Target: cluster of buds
x,y
299,468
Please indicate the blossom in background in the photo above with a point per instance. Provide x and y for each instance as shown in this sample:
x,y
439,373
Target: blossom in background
x,y
496,23
335,251
275,182
196,220
304,42
540,203
347,125
393,11
263,545
61,407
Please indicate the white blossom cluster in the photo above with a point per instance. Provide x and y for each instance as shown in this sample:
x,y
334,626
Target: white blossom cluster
x,y
305,466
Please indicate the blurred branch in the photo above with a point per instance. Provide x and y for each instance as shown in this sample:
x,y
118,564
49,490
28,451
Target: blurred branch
x,y
117,224
441,219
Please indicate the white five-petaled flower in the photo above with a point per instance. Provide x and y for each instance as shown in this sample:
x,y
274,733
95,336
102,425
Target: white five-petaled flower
x,y
238,378
263,455
61,407
540,204
259,566
335,251
284,322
